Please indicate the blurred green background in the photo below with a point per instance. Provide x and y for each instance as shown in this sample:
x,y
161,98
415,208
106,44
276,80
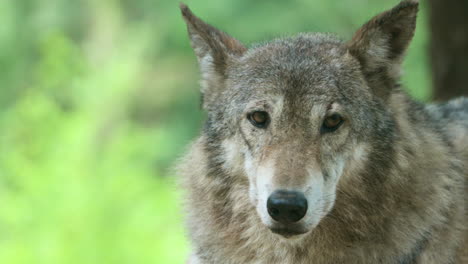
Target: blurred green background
x,y
99,97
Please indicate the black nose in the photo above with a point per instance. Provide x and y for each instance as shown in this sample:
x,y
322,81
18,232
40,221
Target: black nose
x,y
287,206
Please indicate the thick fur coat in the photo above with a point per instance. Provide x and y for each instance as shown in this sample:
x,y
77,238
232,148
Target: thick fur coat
x,y
388,184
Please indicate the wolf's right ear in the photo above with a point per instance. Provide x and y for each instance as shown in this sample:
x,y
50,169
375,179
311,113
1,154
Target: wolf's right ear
x,y
214,50
381,43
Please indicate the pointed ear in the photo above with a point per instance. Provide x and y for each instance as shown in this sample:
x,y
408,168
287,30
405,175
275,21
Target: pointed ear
x,y
214,50
381,43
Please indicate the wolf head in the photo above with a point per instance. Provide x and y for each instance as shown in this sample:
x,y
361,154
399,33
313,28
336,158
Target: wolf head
x,y
296,115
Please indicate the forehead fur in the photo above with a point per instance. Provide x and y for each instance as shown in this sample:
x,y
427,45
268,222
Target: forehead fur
x,y
304,52
301,44
310,64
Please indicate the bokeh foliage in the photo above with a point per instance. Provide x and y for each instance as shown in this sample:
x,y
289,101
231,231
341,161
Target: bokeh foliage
x,y
99,98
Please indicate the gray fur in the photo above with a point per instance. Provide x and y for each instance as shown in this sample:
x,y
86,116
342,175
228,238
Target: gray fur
x,y
388,186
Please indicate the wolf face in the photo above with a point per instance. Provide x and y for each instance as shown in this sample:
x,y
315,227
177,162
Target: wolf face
x,y
295,116
292,127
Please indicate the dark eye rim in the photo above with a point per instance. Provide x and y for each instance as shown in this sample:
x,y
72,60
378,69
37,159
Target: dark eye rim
x,y
325,129
257,124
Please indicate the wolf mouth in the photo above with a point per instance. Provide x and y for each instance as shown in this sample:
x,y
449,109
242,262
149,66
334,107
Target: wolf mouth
x,y
288,232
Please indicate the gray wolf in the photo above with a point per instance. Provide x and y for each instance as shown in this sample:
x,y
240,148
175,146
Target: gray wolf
x,y
312,152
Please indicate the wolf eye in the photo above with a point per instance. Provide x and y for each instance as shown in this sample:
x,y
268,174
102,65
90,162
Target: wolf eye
x,y
331,123
259,119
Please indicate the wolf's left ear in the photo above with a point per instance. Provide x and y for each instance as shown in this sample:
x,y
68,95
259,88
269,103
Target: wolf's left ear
x,y
214,50
381,43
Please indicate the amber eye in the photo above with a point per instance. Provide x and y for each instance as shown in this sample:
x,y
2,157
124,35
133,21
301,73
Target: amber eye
x,y
331,123
259,119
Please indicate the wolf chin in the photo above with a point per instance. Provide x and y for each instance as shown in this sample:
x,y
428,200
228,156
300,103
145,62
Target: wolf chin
x,y
312,153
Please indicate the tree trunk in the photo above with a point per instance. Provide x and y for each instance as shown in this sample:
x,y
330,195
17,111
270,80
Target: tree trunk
x,y
449,48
